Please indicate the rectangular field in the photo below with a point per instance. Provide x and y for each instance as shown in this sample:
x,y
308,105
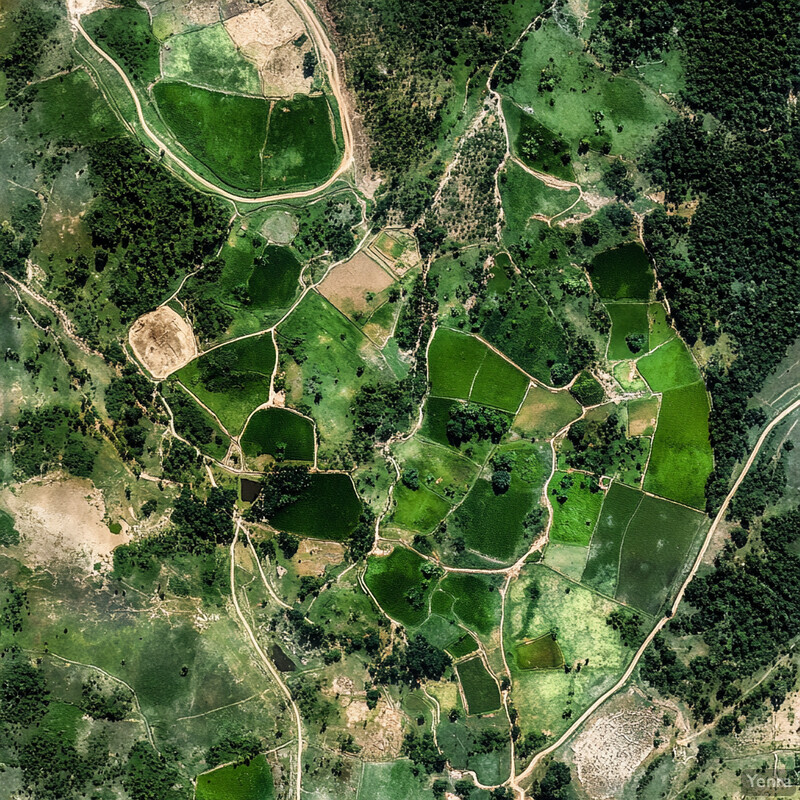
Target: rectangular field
x,y
627,319
480,688
545,412
575,508
669,367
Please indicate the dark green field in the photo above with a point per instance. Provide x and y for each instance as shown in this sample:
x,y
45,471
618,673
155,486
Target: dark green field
x,y
273,282
623,273
328,509
476,600
251,781
627,319
541,653
656,546
479,686
462,647
391,578
271,427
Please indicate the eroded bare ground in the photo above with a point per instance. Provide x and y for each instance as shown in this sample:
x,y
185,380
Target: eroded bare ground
x,y
163,341
61,522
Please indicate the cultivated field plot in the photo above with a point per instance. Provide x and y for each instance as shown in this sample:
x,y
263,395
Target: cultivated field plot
x,y
545,412
681,458
568,559
279,433
526,197
462,367
250,781
656,545
328,509
358,287
669,367
273,280
398,585
391,779
540,653
194,423
629,325
397,248
419,510
476,600
602,565
660,329
623,273
480,688
462,646
233,379
642,416
576,507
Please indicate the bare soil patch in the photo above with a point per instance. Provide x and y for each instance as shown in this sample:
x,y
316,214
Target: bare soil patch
x,y
60,521
355,285
274,38
313,557
163,341
382,735
79,8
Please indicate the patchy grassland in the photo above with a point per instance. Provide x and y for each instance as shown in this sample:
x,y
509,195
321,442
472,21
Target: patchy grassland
x,y
575,518
250,781
671,366
545,412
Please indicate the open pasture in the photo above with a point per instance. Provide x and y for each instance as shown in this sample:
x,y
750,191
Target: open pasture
x,y
568,559
525,196
233,379
627,319
251,781
681,459
279,433
545,412
669,367
396,581
480,688
419,510
274,279
642,416
602,565
660,329
391,779
575,508
657,544
476,600
462,646
540,653
328,509
623,273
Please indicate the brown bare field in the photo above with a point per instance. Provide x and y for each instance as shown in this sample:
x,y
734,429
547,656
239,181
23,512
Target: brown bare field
x,y
347,285
60,521
379,732
642,417
163,341
312,556
267,35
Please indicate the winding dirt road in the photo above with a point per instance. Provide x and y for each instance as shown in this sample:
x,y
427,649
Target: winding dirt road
x,y
328,57
526,773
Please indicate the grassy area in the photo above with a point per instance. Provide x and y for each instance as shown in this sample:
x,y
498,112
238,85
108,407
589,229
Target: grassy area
x,y
627,319
602,565
328,509
278,432
574,518
623,273
273,282
524,195
660,330
225,132
252,781
540,653
463,646
419,510
476,600
544,412
669,367
681,458
233,379
568,559
398,585
392,779
480,688
300,148
125,34
642,416
207,56
655,548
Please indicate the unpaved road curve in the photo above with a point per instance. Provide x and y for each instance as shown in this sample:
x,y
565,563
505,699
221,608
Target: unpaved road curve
x,y
663,621
328,57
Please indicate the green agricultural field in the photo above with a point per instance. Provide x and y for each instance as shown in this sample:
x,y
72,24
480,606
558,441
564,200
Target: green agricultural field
x,y
251,781
657,544
502,271
208,57
274,280
328,509
300,148
480,688
524,195
628,377
575,88
540,653
574,518
623,273
225,132
419,510
463,367
398,585
476,600
642,416
568,559
627,319
545,412
194,423
660,330
435,418
232,380
602,565
669,367
125,34
463,646
279,433
392,779
681,459
535,145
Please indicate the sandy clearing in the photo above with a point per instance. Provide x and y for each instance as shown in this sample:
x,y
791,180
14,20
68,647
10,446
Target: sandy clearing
x,y
379,733
79,8
60,521
347,285
313,556
267,36
163,341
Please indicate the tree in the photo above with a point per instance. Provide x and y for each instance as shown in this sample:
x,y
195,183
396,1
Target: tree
x,y
309,64
553,784
635,342
501,481
411,478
